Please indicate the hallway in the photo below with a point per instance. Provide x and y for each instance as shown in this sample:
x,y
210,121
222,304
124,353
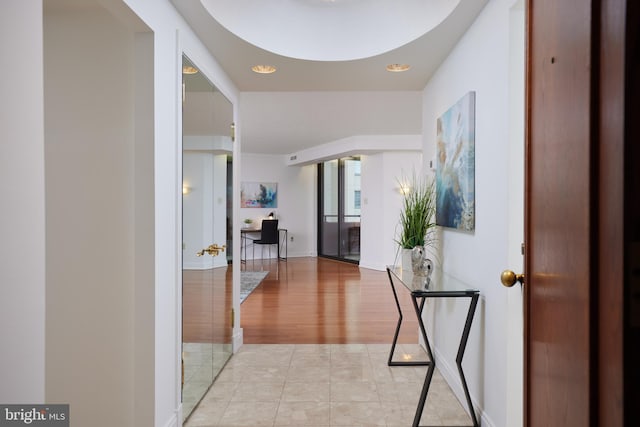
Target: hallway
x,y
317,337
324,385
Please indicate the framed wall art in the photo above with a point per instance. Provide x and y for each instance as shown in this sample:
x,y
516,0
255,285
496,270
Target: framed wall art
x,y
455,165
259,195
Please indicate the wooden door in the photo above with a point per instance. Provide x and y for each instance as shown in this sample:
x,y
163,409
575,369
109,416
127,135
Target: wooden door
x,y
558,238
573,312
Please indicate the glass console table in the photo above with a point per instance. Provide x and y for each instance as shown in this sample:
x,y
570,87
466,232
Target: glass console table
x,y
422,288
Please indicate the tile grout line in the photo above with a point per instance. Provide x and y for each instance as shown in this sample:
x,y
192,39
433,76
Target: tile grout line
x,y
373,365
286,380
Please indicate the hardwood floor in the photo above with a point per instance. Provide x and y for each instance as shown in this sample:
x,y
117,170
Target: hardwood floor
x,y
300,301
206,302
321,301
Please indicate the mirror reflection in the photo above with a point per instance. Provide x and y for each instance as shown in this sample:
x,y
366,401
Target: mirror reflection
x,y
206,234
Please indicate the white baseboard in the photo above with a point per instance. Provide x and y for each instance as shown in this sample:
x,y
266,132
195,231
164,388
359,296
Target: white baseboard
x,y
173,421
238,339
452,377
373,267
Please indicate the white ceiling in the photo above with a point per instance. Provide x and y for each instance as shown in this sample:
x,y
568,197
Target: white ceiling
x,y
329,30
310,102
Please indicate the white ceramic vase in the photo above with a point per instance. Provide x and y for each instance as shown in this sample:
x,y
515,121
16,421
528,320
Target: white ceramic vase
x,y
405,259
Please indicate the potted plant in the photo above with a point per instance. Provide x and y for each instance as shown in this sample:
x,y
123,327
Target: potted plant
x,y
417,218
248,222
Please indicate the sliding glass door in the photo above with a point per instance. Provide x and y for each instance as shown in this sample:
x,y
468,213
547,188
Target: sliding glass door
x,y
339,205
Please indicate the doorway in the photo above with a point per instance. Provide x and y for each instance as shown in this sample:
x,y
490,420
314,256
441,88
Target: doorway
x,y
339,209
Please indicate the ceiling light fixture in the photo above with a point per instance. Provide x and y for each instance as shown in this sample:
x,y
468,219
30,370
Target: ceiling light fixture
x,y
187,69
398,68
263,69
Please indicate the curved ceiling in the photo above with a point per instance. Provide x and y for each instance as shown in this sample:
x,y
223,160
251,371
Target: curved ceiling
x,y
311,102
329,30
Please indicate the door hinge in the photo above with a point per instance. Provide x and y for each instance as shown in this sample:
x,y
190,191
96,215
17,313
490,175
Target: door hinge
x,y
233,318
522,248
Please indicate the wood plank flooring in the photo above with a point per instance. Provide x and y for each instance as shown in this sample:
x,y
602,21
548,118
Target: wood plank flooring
x,y
321,301
301,301
206,301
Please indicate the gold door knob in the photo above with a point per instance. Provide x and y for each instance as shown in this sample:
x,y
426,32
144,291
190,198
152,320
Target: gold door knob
x,y
212,250
509,278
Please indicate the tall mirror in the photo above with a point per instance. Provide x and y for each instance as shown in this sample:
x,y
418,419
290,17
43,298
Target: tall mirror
x,y
207,117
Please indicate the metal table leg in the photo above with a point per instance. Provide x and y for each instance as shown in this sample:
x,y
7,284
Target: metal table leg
x,y
461,348
284,243
391,362
243,247
432,365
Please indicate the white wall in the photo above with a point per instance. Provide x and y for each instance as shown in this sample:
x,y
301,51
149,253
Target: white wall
x,y
354,146
385,158
381,204
90,215
204,208
115,341
22,187
316,118
172,38
144,210
480,63
207,113
297,202
206,143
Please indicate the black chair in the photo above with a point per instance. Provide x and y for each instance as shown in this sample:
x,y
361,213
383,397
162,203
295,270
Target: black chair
x,y
269,235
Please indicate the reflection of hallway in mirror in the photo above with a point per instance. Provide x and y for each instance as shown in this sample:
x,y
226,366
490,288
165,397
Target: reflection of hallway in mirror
x,y
206,330
206,294
198,363
207,200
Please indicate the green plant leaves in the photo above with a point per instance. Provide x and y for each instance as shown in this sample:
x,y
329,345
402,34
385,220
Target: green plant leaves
x,y
417,217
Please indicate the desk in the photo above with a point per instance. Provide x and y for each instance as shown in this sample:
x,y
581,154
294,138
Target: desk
x,y
282,241
421,289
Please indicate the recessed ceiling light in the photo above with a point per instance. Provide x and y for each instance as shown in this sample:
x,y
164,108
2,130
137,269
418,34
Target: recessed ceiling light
x,y
187,69
264,69
398,68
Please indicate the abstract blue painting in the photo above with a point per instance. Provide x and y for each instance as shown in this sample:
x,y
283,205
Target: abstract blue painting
x,y
455,165
259,195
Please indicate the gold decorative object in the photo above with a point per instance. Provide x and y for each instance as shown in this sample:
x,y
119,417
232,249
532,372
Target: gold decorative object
x,y
213,250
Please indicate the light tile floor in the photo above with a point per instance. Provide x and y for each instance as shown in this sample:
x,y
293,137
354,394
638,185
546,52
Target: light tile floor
x,y
324,385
